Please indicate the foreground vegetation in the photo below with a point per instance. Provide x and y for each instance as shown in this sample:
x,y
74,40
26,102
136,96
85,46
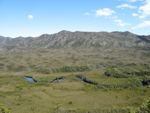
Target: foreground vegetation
x,y
71,95
117,76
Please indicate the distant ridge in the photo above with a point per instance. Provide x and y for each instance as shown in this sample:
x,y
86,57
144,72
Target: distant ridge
x,y
68,39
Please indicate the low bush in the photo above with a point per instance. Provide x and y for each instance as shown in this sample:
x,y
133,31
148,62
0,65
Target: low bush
x,y
3,109
145,108
124,71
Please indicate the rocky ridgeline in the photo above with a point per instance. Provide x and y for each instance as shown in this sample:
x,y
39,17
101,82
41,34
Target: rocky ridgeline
x,y
67,39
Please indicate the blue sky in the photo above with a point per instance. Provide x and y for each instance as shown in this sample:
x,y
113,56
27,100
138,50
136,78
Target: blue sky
x,y
36,17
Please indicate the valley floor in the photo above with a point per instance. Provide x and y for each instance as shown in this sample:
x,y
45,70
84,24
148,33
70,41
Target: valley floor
x,y
70,95
116,73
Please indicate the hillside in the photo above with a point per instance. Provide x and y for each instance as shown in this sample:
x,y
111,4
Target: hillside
x,y
67,39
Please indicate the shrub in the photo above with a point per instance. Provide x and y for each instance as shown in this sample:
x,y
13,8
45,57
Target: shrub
x,y
70,102
3,109
145,108
124,72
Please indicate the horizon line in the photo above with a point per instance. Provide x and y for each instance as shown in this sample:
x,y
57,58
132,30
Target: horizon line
x,y
38,35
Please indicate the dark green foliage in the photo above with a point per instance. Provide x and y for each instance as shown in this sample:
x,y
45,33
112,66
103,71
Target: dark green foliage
x,y
3,109
127,71
145,108
70,102
111,71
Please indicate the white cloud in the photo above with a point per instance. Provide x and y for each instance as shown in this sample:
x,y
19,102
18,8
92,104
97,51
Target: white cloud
x,y
122,6
144,24
144,10
30,17
104,12
135,0
120,23
135,14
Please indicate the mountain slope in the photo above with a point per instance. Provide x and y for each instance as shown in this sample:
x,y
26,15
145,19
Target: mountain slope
x,y
67,39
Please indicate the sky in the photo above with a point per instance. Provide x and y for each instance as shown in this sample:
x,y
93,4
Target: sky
x,y
36,17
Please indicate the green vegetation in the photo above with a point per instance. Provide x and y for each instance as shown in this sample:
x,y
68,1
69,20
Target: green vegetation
x,y
118,75
71,95
72,69
145,108
128,71
3,109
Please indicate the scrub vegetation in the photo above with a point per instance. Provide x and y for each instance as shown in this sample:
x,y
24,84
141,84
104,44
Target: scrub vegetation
x,y
117,78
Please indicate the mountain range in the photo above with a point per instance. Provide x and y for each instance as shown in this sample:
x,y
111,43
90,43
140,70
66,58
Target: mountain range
x,y
67,39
